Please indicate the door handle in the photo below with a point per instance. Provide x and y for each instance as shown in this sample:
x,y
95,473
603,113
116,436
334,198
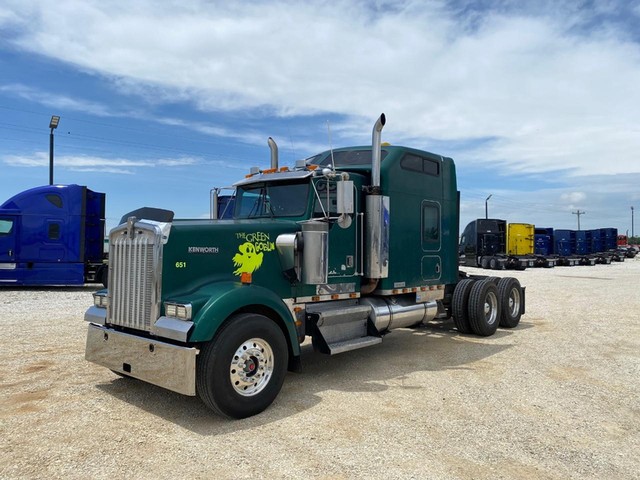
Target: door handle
x,y
10,253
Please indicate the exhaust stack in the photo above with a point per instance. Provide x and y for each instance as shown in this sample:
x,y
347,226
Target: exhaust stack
x,y
377,214
274,152
376,151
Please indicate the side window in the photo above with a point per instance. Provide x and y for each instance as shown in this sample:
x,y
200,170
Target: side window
x,y
6,226
55,200
54,231
418,164
412,162
430,223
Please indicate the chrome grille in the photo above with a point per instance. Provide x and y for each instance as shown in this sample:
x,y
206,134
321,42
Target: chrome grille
x,y
134,262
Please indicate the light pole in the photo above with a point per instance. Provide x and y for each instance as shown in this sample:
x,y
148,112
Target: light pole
x,y
486,206
53,124
632,233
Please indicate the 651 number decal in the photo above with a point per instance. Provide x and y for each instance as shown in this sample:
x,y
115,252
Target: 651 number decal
x,y
181,264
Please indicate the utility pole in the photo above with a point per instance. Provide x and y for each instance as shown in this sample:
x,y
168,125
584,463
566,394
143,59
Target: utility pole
x,y
632,233
578,213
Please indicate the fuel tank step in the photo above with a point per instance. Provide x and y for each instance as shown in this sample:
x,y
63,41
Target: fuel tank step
x,y
353,344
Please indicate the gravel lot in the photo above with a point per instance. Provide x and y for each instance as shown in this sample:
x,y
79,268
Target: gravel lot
x,y
558,397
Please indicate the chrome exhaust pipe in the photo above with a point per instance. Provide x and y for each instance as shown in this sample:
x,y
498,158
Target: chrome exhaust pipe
x,y
377,213
376,151
274,152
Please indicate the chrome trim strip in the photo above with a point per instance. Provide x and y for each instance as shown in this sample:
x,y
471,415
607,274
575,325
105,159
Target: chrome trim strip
x,y
326,298
275,177
333,288
421,295
429,295
159,363
173,328
7,266
96,315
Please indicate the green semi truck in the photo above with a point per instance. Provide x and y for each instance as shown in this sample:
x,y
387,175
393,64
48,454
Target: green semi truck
x,y
345,247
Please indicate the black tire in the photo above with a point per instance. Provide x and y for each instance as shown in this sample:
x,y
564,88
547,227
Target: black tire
x,y
484,308
492,279
241,371
104,276
494,264
510,296
459,305
485,262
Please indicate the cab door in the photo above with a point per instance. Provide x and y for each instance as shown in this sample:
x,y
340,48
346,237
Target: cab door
x,y
8,233
342,235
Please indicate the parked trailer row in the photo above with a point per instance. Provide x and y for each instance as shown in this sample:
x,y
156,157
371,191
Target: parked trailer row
x,y
580,247
494,244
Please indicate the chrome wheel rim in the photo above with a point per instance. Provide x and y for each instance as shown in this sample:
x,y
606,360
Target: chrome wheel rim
x,y
491,308
251,367
514,302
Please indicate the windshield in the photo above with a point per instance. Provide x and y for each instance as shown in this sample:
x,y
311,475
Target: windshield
x,y
272,200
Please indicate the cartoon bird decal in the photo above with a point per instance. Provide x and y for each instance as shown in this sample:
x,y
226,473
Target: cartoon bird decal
x,y
247,261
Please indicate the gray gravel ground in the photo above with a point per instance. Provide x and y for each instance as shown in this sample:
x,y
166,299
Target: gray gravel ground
x,y
558,398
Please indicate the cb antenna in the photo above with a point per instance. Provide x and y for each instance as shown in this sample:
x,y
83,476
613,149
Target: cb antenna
x,y
333,165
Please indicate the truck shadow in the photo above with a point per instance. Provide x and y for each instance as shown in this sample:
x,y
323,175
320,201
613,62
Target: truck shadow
x,y
432,348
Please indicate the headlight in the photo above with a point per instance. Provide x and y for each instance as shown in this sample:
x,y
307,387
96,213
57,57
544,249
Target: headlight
x,y
178,310
100,300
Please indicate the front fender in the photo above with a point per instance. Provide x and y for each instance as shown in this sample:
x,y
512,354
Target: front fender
x,y
225,298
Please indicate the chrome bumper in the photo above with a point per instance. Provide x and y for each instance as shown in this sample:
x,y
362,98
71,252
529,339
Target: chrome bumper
x,y
159,363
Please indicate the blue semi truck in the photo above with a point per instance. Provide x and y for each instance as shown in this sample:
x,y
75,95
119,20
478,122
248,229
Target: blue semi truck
x,y
53,235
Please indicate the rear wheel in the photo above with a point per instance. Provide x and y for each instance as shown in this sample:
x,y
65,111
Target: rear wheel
x,y
241,371
510,295
459,305
484,308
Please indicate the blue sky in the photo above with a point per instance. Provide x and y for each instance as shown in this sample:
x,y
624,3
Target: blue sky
x,y
538,102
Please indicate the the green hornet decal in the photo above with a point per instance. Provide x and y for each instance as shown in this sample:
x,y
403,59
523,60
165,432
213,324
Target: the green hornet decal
x,y
250,257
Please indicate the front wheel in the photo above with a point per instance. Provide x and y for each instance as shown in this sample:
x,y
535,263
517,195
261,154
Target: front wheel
x,y
241,371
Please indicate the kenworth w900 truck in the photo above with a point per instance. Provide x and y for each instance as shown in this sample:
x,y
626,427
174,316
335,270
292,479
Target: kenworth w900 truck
x,y
346,247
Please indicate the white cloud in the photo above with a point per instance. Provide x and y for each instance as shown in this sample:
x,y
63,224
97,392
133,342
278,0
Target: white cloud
x,y
545,95
85,163
177,162
56,101
573,197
